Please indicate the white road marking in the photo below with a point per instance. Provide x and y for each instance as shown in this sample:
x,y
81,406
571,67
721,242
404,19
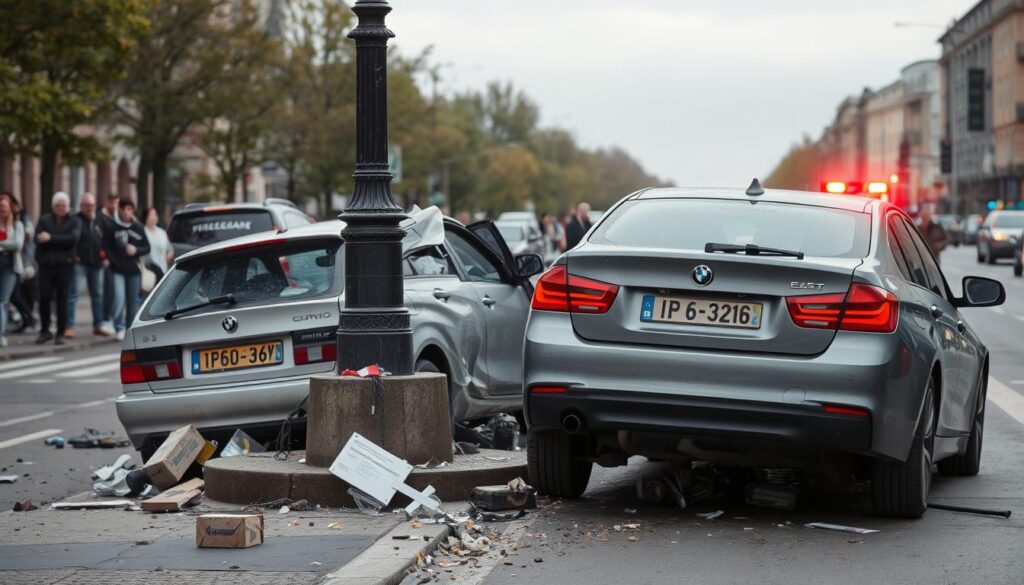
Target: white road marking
x,y
1019,317
45,369
100,369
28,437
90,404
21,419
41,381
1007,399
16,363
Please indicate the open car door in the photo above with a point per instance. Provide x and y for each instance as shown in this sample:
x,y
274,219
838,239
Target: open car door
x,y
491,237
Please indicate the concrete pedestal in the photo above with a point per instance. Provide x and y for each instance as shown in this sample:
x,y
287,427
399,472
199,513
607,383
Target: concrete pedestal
x,y
414,410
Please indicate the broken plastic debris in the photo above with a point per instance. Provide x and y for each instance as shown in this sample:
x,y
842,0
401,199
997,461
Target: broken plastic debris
x,y
839,527
105,473
710,515
241,443
56,441
334,526
8,478
117,485
284,510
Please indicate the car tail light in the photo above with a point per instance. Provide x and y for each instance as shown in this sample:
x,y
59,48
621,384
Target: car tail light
x,y
315,353
136,369
548,389
557,290
862,308
845,410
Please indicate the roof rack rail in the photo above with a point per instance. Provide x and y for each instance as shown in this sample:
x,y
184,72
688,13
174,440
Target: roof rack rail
x,y
279,201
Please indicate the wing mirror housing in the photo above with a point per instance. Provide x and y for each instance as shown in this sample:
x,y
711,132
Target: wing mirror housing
x,y
529,265
981,292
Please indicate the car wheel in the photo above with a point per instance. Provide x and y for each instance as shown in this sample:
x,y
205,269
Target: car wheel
x,y
900,489
990,258
981,258
556,463
969,462
1018,266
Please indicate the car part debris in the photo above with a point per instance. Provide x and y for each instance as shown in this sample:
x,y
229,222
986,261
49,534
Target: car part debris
x,y
8,478
515,495
773,496
117,485
241,443
839,527
24,506
55,441
138,482
983,511
91,505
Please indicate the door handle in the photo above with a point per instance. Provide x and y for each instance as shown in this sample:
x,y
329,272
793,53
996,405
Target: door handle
x,y
488,301
936,312
441,294
960,326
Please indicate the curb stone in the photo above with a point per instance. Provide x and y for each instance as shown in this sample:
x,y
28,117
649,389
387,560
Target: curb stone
x,y
381,564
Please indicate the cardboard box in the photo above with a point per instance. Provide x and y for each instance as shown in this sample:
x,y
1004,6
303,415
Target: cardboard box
x,y
229,530
176,498
166,467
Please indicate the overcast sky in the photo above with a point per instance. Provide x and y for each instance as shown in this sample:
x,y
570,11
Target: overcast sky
x,y
707,92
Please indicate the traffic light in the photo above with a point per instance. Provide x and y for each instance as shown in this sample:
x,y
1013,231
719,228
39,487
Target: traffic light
x,y
976,100
946,156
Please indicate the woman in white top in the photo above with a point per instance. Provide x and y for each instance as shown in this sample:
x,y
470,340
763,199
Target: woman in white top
x,y
161,253
12,237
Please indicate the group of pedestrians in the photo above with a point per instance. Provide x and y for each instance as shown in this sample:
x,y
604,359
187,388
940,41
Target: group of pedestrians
x,y
563,234
102,251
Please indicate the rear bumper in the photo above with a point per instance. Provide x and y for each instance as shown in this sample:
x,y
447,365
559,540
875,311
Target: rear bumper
x,y
697,417
1003,248
257,407
730,394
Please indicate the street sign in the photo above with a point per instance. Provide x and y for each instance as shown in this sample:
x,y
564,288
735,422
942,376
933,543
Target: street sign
x,y
395,162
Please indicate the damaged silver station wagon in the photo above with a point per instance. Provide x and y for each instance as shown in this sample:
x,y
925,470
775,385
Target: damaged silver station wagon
x,y
232,334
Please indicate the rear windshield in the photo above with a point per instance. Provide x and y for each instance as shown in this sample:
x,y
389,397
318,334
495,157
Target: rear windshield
x,y
689,224
292,271
206,228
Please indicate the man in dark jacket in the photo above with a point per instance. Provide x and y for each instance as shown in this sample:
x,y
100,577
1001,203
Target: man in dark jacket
x,y
124,243
56,237
578,226
89,267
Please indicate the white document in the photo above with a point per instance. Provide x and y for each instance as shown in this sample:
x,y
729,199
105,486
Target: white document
x,y
370,469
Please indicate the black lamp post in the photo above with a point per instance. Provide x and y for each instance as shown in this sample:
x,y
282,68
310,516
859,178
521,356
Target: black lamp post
x,y
374,326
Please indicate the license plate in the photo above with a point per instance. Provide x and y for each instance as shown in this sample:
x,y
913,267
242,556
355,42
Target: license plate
x,y
237,357
658,309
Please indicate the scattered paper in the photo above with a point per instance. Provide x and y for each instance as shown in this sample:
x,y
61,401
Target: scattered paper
x,y
839,527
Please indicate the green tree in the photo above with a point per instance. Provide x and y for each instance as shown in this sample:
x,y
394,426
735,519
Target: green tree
x,y
60,58
178,64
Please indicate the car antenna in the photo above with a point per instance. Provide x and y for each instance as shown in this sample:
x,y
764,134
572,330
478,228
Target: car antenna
x,y
755,189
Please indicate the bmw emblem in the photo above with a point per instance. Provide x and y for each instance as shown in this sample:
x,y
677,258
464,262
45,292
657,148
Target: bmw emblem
x,y
702,275
230,323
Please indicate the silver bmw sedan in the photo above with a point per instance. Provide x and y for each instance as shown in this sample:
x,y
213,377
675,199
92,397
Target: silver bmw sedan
x,y
756,329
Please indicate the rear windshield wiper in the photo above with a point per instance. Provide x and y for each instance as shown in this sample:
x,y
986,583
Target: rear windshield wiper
x,y
751,250
227,299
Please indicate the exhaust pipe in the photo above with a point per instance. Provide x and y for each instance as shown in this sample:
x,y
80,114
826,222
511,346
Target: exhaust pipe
x,y
572,424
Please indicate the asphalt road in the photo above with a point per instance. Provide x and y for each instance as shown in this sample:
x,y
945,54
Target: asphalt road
x,y
576,542
59,394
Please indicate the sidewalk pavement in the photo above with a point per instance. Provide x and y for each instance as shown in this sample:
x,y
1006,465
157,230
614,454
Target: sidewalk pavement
x,y
127,547
22,345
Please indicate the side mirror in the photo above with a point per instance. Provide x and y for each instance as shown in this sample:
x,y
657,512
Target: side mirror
x,y
529,265
981,292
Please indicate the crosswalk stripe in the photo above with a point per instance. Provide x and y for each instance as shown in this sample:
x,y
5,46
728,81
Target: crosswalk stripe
x,y
51,368
1007,399
100,369
29,362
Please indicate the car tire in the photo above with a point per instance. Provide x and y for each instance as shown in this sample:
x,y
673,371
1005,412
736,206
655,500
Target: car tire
x,y
556,463
990,258
969,462
1018,267
900,489
981,258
